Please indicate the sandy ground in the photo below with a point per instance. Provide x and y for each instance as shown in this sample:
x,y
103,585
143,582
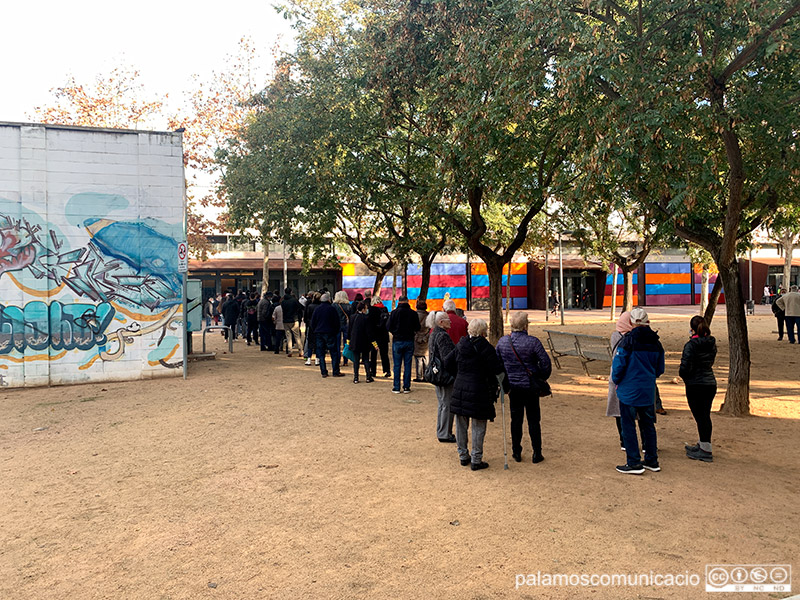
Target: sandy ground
x,y
257,479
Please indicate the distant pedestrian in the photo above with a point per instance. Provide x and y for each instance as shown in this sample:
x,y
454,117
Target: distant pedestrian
x,y
264,318
638,362
326,327
421,341
251,308
292,314
440,346
342,305
361,344
697,373
780,314
230,315
378,316
790,304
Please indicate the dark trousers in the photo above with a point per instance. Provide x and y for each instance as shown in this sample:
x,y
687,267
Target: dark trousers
x,y
647,427
232,328
521,401
362,358
278,339
373,358
264,335
791,327
781,319
700,398
252,331
327,342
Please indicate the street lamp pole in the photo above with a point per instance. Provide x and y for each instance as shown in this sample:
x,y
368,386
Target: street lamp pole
x,y
561,277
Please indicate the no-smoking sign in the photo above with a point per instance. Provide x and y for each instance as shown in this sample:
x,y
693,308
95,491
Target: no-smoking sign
x,y
183,257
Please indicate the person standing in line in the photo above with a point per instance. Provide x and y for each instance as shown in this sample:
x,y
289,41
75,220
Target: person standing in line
x,y
292,313
217,305
403,325
623,326
354,304
440,346
251,307
525,362
358,336
311,339
277,320
765,298
697,372
325,326
264,318
790,304
378,318
458,324
421,341
208,310
780,314
475,365
638,362
230,314
342,305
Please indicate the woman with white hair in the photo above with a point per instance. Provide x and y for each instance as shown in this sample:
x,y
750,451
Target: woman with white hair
x,y
342,305
527,365
475,366
440,346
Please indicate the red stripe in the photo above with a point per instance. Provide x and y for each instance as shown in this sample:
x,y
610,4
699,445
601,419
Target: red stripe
x,y
415,281
517,291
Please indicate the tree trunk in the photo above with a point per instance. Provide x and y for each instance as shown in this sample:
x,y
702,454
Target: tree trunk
x,y
494,269
703,290
379,275
788,250
627,298
713,299
737,398
508,292
425,285
265,271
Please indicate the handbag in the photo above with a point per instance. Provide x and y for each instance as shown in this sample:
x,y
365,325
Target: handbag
x,y
540,386
435,372
348,353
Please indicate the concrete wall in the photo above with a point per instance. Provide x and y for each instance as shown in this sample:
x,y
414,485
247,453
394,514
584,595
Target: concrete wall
x,y
89,224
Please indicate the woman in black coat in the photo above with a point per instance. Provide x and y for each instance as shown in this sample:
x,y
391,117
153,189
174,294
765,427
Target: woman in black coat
x,y
360,339
696,370
475,365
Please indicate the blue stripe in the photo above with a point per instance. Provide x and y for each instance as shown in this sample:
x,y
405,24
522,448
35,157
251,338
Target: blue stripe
x,y
440,269
698,288
670,268
621,279
517,303
438,293
658,289
516,280
367,281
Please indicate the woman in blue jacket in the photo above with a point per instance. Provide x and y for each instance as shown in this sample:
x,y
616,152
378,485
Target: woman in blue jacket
x,y
638,362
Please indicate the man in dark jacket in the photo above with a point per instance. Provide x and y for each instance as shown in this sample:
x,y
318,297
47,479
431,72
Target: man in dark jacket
x,y
325,325
378,318
403,324
264,316
230,314
292,314
251,317
638,362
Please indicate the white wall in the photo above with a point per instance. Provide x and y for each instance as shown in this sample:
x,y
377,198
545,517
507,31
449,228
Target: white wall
x,y
89,223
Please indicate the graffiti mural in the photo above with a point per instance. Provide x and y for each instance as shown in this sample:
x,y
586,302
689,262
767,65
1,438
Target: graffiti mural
x,y
89,284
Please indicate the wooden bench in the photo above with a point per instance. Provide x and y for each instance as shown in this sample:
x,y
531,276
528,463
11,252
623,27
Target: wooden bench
x,y
588,348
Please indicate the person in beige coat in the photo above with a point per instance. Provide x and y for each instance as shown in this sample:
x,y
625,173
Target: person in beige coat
x,y
790,304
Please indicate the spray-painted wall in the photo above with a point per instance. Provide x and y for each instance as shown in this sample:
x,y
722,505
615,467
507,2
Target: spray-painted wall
x,y
89,284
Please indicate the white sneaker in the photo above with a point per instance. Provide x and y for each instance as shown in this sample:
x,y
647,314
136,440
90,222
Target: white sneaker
x,y
308,361
316,361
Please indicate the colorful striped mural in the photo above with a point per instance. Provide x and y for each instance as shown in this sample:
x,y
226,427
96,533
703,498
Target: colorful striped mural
x,y
448,281
620,289
357,279
668,283
519,285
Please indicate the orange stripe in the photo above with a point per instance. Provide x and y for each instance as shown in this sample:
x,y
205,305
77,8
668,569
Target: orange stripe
x,y
34,357
655,278
85,366
142,317
167,357
516,269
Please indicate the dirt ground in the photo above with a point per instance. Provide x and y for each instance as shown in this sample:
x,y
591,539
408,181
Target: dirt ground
x,y
258,479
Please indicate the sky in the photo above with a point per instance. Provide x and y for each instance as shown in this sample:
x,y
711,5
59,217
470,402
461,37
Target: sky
x,y
43,42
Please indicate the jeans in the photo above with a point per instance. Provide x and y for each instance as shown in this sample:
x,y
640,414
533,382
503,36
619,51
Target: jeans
x,y
402,352
791,327
462,438
700,398
520,401
264,335
329,342
647,427
252,332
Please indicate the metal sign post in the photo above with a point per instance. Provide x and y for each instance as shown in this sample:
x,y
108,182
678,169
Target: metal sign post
x,y
183,267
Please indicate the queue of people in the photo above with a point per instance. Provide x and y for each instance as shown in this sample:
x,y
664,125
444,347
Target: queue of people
x,y
467,372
